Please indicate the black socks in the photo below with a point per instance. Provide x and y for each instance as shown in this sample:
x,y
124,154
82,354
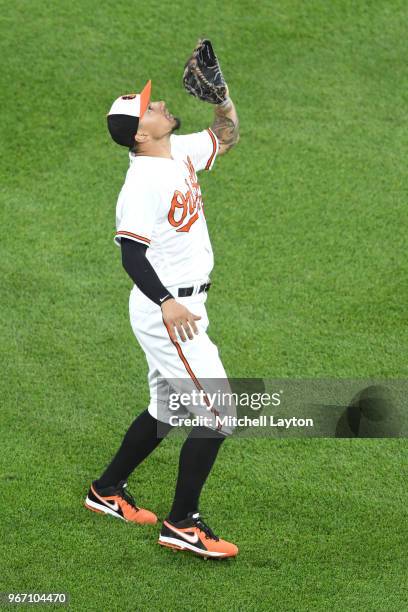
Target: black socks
x,y
140,440
197,457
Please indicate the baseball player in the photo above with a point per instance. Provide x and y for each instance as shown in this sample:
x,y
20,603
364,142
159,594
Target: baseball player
x,y
163,236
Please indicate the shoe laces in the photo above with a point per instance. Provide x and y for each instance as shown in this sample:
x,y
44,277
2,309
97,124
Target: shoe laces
x,y
199,522
129,499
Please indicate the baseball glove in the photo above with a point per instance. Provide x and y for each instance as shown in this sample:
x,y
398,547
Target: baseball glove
x,y
202,76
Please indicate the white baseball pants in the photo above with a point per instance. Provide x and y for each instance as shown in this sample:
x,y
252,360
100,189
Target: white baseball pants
x,y
181,367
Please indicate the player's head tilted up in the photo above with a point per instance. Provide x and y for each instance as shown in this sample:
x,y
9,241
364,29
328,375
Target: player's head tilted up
x,y
134,120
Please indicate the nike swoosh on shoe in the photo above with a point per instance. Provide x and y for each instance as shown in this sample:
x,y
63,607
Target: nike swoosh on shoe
x,y
192,538
113,505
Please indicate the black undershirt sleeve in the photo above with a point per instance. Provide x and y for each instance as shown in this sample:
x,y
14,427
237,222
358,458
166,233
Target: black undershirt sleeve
x,y
141,271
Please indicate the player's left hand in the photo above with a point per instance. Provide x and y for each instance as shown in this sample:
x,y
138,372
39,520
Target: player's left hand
x,y
177,316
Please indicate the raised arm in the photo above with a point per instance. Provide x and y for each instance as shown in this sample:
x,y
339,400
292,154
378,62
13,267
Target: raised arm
x,y
226,125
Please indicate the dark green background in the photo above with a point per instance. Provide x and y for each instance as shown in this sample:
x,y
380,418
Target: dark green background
x,y
308,222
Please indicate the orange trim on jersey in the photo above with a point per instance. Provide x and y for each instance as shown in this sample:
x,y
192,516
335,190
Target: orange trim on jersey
x,y
214,141
192,375
142,238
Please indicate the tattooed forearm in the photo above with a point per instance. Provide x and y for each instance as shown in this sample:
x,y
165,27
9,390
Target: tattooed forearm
x,y
226,127
226,130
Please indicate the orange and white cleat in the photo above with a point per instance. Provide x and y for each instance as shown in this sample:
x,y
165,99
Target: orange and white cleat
x,y
194,535
118,502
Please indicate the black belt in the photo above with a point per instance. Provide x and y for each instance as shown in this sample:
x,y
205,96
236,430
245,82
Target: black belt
x,y
186,291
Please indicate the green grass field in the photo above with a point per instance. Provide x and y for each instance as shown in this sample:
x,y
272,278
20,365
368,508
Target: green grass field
x,y
308,222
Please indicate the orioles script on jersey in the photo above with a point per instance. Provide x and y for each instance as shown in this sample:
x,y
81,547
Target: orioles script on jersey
x,y
185,207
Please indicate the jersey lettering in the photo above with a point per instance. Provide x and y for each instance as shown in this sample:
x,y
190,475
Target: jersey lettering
x,y
188,203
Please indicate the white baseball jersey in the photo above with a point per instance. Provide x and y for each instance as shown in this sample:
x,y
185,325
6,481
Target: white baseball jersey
x,y
161,205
